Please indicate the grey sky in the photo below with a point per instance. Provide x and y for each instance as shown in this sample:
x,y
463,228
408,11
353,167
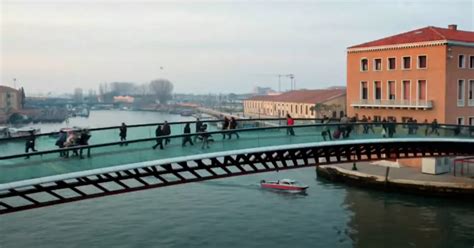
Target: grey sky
x,y
203,46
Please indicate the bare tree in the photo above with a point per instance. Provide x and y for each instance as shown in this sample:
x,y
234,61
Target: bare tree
x,y
163,89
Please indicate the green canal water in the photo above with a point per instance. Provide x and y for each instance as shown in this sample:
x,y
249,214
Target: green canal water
x,y
235,212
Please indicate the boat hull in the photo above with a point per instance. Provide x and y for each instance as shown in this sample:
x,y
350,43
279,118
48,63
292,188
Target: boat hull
x,y
289,188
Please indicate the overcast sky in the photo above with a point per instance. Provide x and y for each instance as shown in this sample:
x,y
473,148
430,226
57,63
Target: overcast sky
x,y
203,46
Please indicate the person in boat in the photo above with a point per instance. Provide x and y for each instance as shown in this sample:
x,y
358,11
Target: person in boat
x,y
123,133
290,122
159,140
187,139
60,142
225,126
198,128
30,143
166,132
84,141
233,126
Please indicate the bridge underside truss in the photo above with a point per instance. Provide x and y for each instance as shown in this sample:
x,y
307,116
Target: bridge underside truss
x,y
161,175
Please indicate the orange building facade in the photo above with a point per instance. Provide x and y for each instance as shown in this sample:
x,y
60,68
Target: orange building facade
x,y
423,74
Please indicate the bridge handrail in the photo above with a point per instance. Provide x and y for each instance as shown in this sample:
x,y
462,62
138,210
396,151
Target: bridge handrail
x,y
219,120
161,123
440,126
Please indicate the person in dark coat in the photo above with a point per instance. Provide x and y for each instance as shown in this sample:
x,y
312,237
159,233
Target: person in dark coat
x,y
198,128
225,126
205,137
30,143
159,140
166,132
84,141
391,127
187,139
60,142
233,126
434,127
123,133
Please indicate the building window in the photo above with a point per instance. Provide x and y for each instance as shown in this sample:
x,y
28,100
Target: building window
x,y
306,109
364,64
406,63
377,90
461,61
460,92
460,121
377,118
422,62
363,91
391,90
471,61
392,63
421,90
377,64
406,90
470,93
471,121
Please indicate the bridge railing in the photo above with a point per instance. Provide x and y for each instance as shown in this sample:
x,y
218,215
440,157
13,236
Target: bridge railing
x,y
176,126
49,162
46,141
375,129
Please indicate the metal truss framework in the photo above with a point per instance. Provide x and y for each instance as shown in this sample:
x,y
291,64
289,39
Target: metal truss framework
x,y
161,175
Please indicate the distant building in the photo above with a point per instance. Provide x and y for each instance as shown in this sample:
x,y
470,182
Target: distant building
x,y
263,91
78,95
124,99
298,103
10,102
426,73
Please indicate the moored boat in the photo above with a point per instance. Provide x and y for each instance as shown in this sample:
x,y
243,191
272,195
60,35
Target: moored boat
x,y
23,132
283,185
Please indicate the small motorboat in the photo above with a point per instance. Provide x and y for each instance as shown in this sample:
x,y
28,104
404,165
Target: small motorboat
x,y
284,185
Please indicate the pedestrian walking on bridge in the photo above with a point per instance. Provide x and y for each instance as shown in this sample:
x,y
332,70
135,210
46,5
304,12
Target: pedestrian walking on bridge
x,y
290,122
159,140
123,133
187,139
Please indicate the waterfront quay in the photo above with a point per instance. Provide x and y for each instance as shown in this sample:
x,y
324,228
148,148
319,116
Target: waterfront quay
x,y
400,179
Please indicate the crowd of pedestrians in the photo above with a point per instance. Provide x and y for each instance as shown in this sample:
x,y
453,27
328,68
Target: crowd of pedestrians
x,y
330,130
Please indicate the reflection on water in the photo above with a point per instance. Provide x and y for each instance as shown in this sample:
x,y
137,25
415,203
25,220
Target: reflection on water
x,y
396,220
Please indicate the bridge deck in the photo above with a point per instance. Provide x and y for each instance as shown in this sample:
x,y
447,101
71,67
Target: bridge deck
x,y
16,169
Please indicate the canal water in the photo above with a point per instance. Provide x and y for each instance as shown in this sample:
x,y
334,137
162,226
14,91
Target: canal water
x,y
235,212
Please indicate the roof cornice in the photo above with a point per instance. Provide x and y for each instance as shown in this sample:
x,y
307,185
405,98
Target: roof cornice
x,y
397,46
410,45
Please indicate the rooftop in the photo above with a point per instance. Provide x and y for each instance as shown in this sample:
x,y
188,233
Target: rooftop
x,y
425,34
303,96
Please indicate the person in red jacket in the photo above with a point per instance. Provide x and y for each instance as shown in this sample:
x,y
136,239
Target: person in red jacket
x,y
290,122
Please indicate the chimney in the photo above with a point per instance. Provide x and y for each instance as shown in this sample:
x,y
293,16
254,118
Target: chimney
x,y
453,27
